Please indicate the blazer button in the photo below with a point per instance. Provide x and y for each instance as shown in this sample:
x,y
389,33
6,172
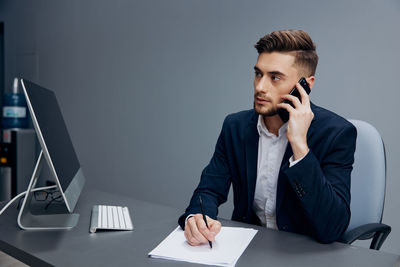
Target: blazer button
x,y
284,227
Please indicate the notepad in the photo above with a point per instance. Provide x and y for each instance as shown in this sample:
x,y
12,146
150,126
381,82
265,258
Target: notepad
x,y
227,248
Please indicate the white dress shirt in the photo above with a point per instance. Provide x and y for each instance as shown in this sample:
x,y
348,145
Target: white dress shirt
x,y
271,149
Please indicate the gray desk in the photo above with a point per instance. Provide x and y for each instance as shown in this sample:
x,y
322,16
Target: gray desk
x,y
153,223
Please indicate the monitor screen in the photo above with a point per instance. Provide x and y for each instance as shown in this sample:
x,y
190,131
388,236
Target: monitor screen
x,y
46,111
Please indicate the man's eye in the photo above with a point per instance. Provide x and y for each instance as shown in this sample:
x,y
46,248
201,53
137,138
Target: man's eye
x,y
275,78
257,74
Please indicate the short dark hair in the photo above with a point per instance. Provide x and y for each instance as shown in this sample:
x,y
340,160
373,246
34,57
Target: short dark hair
x,y
297,42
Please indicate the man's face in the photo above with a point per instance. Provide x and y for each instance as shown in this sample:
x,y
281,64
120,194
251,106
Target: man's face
x,y
275,76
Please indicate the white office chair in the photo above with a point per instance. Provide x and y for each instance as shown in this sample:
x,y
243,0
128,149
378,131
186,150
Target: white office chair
x,y
368,184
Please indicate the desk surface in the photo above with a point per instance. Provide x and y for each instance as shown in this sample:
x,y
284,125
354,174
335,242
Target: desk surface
x,y
152,222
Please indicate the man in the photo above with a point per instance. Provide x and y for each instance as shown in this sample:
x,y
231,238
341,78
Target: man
x,y
292,176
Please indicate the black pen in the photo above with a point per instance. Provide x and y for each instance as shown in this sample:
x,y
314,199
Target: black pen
x,y
204,218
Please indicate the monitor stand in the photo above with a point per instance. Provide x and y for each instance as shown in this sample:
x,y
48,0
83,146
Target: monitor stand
x,y
28,221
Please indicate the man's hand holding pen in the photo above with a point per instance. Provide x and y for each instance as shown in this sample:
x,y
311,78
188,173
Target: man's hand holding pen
x,y
196,231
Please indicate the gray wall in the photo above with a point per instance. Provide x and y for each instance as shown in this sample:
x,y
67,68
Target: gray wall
x,y
145,85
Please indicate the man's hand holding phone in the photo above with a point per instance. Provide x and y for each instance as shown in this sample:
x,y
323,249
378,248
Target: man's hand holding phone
x,y
300,119
196,231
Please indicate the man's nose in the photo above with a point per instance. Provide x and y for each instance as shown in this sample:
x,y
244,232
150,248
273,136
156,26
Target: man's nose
x,y
261,85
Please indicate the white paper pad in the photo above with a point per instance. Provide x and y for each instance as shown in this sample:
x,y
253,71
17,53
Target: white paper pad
x,y
228,246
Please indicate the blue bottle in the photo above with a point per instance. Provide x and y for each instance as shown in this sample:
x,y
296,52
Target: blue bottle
x,y
15,111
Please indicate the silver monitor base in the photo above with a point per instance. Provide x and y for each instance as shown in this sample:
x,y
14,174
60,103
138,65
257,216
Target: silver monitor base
x,y
28,221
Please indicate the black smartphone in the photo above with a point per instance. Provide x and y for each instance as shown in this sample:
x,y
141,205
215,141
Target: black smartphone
x,y
283,113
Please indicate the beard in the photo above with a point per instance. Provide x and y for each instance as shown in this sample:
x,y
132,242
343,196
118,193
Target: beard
x,y
263,111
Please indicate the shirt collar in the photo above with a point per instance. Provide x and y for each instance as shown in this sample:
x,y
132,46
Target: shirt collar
x,y
261,128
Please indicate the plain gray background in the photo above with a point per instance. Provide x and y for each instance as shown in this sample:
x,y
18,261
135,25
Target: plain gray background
x,y
145,85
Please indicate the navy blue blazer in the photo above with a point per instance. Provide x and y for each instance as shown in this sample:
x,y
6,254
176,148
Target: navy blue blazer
x,y
313,196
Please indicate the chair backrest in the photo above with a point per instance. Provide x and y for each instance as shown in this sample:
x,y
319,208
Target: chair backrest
x,y
368,178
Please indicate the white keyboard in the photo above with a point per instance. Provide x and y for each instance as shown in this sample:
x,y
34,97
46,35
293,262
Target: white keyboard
x,y
110,218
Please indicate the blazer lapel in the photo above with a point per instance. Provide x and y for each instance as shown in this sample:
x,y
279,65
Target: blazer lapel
x,y
282,181
251,150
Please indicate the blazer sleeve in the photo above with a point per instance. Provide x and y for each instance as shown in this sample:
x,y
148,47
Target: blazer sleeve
x,y
214,183
323,186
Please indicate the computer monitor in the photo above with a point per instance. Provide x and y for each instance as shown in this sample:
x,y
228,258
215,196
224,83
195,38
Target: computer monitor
x,y
58,152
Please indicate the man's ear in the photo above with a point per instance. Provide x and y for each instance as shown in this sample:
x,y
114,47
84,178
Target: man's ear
x,y
310,80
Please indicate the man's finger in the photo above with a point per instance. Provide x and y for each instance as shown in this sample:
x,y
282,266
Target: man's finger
x,y
195,231
286,106
215,227
305,98
295,100
203,229
189,237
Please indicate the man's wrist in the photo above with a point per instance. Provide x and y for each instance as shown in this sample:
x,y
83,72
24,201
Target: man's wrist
x,y
299,150
293,162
